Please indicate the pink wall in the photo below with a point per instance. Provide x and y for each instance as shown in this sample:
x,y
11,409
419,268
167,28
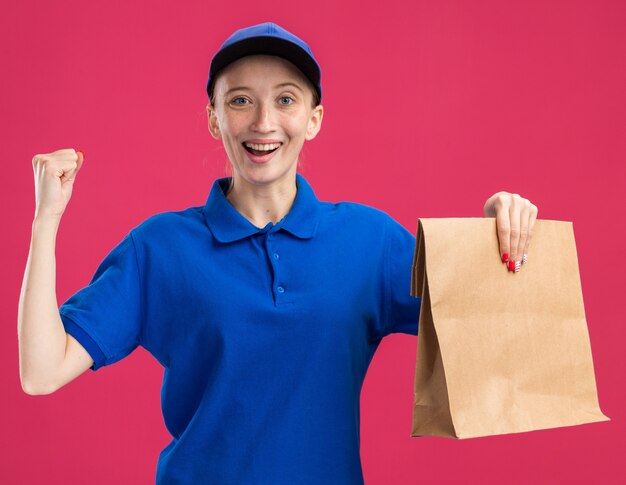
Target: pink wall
x,y
430,108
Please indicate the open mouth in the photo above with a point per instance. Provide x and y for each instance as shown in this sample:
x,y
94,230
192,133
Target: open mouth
x,y
261,149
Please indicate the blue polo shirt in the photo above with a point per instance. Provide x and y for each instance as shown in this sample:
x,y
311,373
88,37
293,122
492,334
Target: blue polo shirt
x,y
264,334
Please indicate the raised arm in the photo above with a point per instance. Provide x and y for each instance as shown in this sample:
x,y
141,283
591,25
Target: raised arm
x,y
49,357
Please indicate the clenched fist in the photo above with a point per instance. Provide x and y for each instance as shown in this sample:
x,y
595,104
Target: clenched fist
x,y
54,178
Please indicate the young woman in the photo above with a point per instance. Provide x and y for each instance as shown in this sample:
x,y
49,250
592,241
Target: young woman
x,y
264,306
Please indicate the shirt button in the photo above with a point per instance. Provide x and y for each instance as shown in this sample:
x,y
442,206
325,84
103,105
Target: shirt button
x,y
280,289
276,256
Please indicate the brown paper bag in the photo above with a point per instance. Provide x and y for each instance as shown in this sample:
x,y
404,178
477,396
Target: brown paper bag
x,y
499,352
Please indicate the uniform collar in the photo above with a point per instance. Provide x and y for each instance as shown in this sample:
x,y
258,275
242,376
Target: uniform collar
x,y
227,224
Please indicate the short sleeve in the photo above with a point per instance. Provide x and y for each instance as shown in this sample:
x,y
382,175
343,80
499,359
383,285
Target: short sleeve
x,y
403,309
106,316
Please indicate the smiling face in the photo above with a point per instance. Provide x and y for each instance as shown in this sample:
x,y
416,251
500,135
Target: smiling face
x,y
262,111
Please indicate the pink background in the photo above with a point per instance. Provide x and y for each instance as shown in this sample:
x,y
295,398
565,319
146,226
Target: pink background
x,y
431,107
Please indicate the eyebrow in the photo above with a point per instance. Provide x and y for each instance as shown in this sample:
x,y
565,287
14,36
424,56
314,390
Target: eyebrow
x,y
245,88
289,84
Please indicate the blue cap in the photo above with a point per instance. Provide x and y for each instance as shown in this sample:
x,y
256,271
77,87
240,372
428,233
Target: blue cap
x,y
269,39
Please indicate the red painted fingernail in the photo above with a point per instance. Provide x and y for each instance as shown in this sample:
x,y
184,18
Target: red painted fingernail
x,y
511,265
505,257
518,266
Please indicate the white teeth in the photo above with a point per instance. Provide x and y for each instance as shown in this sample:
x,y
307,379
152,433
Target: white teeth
x,y
262,147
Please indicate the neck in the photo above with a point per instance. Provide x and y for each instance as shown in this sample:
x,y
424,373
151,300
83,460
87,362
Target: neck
x,y
261,204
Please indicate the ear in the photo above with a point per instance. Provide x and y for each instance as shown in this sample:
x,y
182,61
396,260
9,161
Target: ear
x,y
315,122
214,127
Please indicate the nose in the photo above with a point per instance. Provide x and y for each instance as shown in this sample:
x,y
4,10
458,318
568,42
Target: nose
x,y
263,121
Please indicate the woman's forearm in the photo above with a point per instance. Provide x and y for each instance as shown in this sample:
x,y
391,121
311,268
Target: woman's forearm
x,y
41,335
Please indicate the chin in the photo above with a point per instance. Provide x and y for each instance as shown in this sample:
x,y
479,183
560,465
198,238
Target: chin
x,y
265,175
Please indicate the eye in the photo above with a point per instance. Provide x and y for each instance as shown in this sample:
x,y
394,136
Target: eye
x,y
286,100
239,101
